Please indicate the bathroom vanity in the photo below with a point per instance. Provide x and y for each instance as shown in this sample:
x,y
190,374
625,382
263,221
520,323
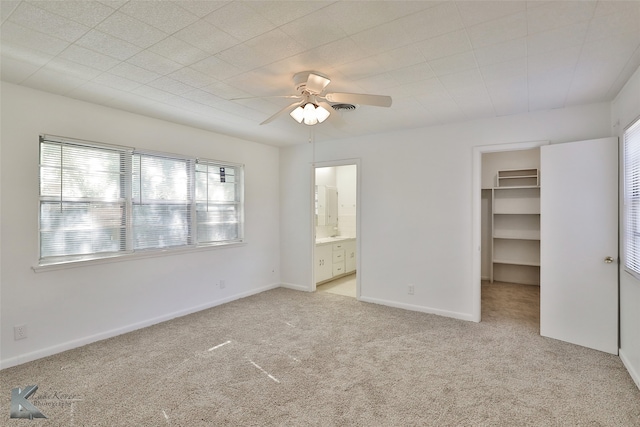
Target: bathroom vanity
x,y
334,257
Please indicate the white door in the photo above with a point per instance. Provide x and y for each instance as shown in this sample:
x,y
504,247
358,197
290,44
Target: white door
x,y
579,243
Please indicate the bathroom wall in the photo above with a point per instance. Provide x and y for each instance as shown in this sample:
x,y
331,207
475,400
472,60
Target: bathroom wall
x,y
326,177
346,181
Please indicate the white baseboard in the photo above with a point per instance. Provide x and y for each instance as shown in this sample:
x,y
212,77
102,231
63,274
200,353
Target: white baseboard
x,y
295,287
38,354
635,375
453,314
445,313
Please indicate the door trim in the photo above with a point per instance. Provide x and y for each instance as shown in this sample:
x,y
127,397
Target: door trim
x,y
336,163
476,226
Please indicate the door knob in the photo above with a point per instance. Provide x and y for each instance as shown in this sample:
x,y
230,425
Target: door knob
x,y
609,260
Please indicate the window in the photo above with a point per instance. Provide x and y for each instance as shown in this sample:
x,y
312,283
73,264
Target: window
x,y
632,198
100,201
82,200
218,202
161,201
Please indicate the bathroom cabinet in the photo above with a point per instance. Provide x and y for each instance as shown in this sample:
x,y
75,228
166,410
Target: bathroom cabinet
x,y
334,258
324,263
350,256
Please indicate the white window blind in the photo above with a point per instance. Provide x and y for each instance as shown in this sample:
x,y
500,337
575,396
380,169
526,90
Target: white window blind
x,y
82,200
632,199
218,202
102,201
161,201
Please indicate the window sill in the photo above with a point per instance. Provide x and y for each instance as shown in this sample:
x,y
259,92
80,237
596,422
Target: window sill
x,y
130,257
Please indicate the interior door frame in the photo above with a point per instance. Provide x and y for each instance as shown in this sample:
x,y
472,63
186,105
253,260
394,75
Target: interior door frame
x,y
476,192
326,164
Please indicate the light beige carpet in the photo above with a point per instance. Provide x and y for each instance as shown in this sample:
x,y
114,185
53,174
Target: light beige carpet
x,y
291,358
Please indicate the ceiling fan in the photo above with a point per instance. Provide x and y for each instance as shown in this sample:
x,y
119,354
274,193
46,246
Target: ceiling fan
x,y
313,105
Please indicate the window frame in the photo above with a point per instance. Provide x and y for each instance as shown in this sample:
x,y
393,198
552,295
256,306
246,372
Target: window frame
x,y
629,201
128,253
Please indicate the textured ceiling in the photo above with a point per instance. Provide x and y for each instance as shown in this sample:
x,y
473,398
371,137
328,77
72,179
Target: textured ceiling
x,y
442,62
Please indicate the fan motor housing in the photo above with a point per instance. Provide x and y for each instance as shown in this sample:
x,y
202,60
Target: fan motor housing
x,y
300,79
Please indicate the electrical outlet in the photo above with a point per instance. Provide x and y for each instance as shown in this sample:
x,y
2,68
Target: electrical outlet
x,y
411,290
222,284
19,332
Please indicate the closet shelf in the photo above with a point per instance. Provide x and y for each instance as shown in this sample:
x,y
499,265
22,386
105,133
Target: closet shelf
x,y
518,178
516,187
517,234
511,262
517,213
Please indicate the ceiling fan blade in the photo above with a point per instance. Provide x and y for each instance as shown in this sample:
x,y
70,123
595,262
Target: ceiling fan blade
x,y
286,109
334,117
316,83
359,98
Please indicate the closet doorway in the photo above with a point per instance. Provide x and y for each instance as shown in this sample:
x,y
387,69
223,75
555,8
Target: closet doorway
x,y
335,217
510,269
506,215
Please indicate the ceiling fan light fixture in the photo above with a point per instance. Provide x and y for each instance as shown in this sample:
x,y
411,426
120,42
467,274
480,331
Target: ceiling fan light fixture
x,y
321,113
310,117
310,114
315,106
297,114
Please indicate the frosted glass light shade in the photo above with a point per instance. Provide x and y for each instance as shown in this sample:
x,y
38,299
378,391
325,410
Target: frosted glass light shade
x,y
321,114
297,114
311,114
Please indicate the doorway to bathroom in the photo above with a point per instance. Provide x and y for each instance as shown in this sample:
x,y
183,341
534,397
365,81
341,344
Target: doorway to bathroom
x,y
335,225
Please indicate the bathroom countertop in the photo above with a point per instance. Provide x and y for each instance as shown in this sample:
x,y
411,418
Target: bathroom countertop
x,y
325,240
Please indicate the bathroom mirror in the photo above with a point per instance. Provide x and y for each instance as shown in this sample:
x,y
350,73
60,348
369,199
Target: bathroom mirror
x,y
326,205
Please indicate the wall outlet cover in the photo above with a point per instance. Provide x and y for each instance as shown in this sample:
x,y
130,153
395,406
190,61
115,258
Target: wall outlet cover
x,y
19,332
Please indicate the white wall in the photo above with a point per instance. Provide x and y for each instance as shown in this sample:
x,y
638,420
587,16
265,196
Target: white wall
x,y
416,203
70,307
625,109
